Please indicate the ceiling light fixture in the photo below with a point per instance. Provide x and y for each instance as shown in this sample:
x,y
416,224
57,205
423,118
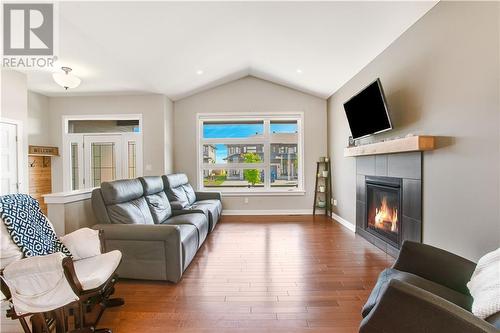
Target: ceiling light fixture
x,y
299,71
199,72
66,79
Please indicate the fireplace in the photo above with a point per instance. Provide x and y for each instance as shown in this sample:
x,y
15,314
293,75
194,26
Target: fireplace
x,y
389,199
383,215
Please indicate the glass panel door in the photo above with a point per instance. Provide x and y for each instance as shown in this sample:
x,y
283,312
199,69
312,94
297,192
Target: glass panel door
x,y
103,158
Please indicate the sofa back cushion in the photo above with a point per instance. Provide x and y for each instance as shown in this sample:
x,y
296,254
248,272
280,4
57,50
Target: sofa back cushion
x,y
190,194
174,188
157,200
125,202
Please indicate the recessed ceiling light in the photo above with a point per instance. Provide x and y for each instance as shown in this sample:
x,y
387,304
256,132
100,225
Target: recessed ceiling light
x,y
199,72
299,71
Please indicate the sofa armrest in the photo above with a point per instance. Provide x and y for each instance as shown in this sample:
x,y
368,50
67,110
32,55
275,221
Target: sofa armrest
x,y
406,308
157,238
436,265
208,196
145,232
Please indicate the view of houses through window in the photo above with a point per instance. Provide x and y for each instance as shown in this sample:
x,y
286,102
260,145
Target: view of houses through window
x,y
247,154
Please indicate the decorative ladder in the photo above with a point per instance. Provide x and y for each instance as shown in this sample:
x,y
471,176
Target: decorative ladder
x,y
326,182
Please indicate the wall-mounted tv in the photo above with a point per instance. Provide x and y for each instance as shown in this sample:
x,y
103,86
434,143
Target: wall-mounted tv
x,y
367,111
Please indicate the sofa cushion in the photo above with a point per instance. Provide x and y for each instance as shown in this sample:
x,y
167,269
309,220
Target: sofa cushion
x,y
211,203
464,301
211,208
132,212
152,184
200,221
176,179
178,194
120,191
190,194
159,207
175,191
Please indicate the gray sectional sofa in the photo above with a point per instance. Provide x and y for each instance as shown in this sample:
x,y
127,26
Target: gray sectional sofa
x,y
157,242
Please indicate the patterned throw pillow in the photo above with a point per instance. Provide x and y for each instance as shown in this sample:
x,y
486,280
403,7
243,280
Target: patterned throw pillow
x,y
28,227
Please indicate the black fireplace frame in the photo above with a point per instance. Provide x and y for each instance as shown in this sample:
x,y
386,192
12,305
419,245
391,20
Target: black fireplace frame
x,y
386,184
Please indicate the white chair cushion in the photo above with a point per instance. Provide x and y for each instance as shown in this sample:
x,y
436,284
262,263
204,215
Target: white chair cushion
x,y
9,251
83,243
484,285
38,284
94,271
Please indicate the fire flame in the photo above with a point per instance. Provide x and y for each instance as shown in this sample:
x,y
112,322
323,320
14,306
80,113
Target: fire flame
x,y
384,215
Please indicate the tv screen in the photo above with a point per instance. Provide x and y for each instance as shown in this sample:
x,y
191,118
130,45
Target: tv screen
x,y
367,111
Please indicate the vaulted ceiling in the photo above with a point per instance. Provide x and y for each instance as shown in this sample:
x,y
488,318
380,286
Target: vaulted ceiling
x,y
180,48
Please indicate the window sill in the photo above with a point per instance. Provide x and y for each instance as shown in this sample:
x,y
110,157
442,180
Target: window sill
x,y
256,193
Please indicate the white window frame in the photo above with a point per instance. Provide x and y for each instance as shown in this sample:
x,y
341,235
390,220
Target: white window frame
x,y
69,138
265,139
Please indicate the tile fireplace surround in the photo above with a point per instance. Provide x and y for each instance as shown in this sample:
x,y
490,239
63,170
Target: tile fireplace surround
x,y
401,168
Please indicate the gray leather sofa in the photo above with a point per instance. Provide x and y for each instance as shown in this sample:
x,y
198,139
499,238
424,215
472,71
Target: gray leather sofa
x,y
425,291
183,197
157,243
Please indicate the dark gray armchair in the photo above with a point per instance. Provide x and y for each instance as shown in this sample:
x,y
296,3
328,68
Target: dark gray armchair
x,y
425,291
183,197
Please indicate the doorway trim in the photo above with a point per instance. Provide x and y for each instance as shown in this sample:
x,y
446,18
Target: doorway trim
x,y
68,138
21,172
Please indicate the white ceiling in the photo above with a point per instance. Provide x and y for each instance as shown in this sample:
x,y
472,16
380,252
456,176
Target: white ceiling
x,y
138,47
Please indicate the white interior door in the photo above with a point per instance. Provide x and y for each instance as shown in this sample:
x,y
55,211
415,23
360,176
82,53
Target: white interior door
x,y
9,181
103,159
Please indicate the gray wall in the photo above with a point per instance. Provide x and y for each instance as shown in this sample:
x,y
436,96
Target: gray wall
x,y
253,95
38,120
441,77
156,111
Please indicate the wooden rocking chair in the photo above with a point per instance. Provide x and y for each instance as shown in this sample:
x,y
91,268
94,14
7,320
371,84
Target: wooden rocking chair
x,y
91,279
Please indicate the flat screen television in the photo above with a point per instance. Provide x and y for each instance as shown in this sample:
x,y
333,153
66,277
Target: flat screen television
x,y
367,111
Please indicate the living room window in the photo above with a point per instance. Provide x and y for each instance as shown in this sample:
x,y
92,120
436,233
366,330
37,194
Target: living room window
x,y
250,153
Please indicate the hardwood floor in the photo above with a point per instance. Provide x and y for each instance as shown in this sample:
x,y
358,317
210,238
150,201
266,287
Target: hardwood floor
x,y
259,274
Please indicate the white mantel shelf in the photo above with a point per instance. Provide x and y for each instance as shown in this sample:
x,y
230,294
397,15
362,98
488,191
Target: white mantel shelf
x,y
408,144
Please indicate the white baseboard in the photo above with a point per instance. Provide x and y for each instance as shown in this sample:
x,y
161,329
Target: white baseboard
x,y
267,212
344,222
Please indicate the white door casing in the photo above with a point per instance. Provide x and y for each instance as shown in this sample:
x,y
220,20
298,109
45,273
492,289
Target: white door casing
x,y
83,143
9,158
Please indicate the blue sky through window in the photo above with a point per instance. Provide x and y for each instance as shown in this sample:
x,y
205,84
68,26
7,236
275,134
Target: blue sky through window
x,y
220,131
220,153
284,128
